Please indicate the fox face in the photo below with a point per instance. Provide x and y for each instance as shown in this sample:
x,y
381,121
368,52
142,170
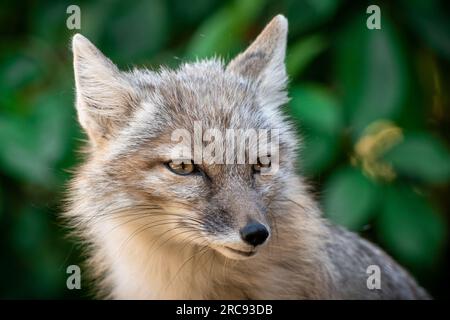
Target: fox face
x,y
188,168
145,131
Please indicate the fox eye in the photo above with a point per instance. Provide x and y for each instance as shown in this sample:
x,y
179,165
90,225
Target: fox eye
x,y
263,162
182,168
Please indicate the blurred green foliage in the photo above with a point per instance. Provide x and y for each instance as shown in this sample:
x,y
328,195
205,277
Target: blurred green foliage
x,y
372,107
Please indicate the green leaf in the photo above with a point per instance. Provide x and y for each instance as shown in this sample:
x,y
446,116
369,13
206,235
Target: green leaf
x,y
224,31
422,156
19,156
31,145
18,71
371,72
410,228
48,22
133,32
32,235
316,108
301,53
304,15
191,12
30,227
318,152
55,116
318,115
430,21
350,198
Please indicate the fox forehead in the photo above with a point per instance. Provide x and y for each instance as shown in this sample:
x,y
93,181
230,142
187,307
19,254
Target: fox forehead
x,y
203,93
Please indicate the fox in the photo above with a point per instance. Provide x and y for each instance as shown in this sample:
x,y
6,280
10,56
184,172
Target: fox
x,y
155,227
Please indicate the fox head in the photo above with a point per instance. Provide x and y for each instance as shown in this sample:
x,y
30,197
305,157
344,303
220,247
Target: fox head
x,y
131,173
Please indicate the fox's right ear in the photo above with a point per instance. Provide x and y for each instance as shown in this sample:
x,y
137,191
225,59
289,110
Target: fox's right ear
x,y
104,96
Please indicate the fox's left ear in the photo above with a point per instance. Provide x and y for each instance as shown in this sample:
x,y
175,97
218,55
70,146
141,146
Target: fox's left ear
x,y
264,58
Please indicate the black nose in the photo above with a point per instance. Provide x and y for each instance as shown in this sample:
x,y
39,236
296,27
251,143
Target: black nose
x,y
254,233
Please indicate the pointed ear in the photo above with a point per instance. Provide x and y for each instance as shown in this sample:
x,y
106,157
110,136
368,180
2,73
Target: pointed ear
x,y
104,96
264,58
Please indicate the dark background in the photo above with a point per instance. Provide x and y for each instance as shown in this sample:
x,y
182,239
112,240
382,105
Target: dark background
x,y
372,106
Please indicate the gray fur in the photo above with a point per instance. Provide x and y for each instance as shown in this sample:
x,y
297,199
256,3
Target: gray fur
x,y
151,234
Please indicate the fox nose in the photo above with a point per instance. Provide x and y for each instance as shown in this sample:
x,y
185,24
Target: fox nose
x,y
254,233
